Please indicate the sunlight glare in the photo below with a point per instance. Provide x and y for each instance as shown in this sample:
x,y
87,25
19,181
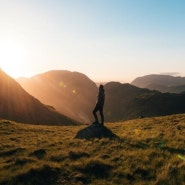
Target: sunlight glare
x,y
12,57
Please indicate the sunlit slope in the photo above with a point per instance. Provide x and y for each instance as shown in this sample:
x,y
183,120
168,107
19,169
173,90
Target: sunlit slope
x,y
16,104
71,93
147,151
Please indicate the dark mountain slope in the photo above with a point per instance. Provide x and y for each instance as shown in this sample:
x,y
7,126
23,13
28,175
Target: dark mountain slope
x,y
16,104
124,101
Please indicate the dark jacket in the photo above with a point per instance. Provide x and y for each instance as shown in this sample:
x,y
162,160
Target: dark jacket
x,y
101,98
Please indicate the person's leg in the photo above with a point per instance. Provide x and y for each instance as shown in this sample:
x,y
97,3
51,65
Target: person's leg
x,y
94,113
102,116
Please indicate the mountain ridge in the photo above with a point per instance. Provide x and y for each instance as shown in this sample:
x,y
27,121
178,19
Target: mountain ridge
x,y
122,101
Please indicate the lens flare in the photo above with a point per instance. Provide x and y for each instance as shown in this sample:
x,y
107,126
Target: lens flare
x,y
61,84
181,157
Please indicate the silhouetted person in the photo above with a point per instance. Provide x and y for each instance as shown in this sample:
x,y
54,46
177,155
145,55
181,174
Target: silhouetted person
x,y
99,104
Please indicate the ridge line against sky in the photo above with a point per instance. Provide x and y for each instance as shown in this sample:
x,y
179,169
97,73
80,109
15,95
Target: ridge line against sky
x,y
104,39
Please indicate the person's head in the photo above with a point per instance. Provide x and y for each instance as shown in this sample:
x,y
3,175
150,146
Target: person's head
x,y
101,87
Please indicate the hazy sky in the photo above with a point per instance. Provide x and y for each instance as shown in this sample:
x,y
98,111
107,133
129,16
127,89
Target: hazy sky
x,y
105,39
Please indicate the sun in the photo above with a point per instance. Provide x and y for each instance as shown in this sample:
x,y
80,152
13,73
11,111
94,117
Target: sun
x,y
12,57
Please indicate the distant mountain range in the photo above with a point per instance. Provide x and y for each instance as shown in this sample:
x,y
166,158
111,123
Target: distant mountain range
x,y
162,83
17,105
71,93
74,95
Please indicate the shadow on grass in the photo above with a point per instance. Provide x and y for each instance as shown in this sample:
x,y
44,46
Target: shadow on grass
x,y
44,175
73,155
39,153
97,169
174,150
95,131
12,152
139,145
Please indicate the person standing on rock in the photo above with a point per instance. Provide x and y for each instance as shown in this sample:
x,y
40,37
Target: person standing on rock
x,y
99,105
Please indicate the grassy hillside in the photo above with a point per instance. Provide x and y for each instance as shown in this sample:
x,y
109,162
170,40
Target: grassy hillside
x,y
148,151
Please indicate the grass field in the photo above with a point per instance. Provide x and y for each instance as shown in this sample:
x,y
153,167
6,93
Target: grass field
x,y
147,151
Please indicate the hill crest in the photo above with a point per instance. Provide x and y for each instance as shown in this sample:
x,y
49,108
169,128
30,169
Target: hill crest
x,y
71,93
16,104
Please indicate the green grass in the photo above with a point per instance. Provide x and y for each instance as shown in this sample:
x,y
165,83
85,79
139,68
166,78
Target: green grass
x,y
149,151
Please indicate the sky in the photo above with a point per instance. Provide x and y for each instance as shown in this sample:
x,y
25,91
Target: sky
x,y
108,40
